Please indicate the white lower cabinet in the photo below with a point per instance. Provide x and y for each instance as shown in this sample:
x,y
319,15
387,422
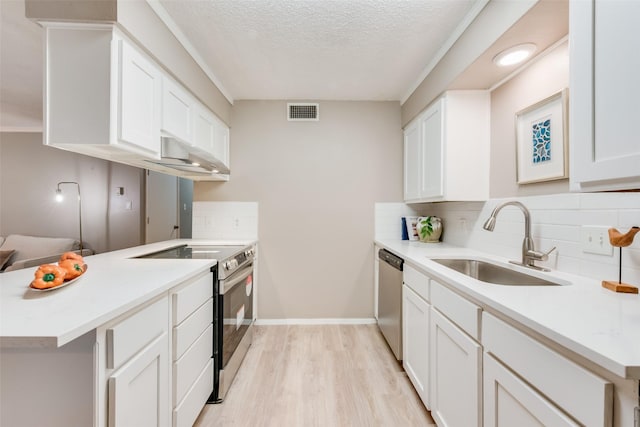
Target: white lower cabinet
x,y
455,374
134,368
569,387
509,401
138,391
192,362
415,341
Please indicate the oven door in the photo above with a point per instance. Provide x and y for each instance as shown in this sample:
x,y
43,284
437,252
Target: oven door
x,y
236,307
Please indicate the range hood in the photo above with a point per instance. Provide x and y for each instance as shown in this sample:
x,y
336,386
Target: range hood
x,y
177,155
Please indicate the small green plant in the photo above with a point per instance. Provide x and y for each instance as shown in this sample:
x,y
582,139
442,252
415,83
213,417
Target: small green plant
x,y
427,227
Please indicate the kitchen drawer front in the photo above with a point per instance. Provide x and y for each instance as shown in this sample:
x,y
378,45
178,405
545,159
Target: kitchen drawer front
x,y
583,395
132,334
191,328
418,282
188,367
185,414
463,313
189,298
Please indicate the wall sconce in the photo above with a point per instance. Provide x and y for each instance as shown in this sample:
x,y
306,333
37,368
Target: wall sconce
x,y
514,55
60,198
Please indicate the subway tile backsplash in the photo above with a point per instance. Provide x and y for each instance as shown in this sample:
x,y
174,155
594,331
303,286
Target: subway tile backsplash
x,y
225,220
556,221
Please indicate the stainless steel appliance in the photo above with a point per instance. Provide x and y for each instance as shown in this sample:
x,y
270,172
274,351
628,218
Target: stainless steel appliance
x,y
390,300
233,306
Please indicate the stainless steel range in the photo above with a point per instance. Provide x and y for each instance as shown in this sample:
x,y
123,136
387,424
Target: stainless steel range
x,y
233,306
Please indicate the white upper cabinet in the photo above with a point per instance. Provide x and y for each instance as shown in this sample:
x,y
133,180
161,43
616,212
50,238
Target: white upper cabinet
x,y
412,168
104,97
138,100
446,154
211,135
605,147
177,111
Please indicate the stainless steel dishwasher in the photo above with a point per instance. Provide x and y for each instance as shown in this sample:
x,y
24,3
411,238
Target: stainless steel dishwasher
x,y
390,300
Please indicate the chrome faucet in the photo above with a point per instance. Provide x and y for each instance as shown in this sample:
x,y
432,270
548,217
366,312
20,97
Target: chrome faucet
x,y
529,253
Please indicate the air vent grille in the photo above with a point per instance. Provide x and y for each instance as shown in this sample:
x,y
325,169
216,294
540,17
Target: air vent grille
x,y
303,112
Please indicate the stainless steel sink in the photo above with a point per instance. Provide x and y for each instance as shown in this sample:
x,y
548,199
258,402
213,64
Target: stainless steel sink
x,y
492,273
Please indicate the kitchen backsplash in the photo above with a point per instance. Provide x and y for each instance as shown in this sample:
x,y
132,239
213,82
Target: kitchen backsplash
x,y
225,220
556,220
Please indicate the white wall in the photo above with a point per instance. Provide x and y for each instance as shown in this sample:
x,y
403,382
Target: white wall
x,y
545,77
29,172
316,184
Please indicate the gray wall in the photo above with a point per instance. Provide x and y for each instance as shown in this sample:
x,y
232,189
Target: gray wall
x,y
29,172
316,184
542,79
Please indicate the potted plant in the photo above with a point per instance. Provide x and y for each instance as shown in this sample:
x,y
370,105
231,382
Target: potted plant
x,y
429,228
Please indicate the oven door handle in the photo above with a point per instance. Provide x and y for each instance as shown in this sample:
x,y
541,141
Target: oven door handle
x,y
233,280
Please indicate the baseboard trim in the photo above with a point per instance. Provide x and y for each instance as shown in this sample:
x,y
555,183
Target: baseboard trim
x,y
347,321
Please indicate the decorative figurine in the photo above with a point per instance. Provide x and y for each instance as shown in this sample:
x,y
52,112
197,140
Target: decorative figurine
x,y
620,240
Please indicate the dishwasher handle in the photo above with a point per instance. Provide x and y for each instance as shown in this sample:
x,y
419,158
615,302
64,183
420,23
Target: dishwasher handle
x,y
391,259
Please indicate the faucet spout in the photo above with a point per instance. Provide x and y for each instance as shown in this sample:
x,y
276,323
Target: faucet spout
x,y
529,254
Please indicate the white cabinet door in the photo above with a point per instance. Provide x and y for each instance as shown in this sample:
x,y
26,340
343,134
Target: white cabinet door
x,y
138,101
455,365
446,149
221,142
431,155
138,391
177,106
509,401
605,147
203,129
415,341
412,141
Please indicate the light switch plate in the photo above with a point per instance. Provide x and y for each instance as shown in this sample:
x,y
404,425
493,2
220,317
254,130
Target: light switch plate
x,y
594,239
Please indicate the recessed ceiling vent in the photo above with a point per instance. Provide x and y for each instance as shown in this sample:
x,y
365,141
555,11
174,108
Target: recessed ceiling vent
x,y
303,112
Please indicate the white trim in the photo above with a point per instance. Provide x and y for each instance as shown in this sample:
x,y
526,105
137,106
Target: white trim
x,y
347,321
526,65
191,50
455,35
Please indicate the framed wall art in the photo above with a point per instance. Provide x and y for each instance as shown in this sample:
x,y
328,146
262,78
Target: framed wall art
x,y
542,140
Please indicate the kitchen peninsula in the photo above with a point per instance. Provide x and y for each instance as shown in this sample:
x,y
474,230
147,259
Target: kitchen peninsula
x,y
99,351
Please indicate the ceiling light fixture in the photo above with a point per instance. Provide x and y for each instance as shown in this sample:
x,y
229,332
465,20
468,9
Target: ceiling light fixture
x,y
514,55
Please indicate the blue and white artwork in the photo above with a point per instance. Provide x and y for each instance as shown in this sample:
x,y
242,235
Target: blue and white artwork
x,y
541,138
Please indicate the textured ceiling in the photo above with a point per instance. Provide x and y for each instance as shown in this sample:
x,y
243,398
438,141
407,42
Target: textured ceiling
x,y
317,49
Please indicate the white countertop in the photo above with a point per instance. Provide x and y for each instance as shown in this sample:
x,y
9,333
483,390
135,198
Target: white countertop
x,y
112,285
598,324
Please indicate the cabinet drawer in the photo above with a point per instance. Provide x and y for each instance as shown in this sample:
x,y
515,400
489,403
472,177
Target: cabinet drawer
x,y
185,414
132,334
418,282
188,299
188,367
188,331
462,312
555,376
509,401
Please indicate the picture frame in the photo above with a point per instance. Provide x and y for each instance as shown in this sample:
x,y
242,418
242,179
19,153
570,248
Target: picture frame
x,y
410,223
542,138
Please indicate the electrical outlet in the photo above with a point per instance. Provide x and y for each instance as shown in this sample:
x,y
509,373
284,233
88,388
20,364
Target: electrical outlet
x,y
595,240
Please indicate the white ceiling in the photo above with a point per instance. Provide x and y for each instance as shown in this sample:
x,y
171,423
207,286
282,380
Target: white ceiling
x,y
317,49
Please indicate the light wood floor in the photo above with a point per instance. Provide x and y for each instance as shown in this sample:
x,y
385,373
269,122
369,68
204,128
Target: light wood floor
x,y
329,375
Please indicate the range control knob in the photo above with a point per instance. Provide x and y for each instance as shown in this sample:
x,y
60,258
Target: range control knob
x,y
226,265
